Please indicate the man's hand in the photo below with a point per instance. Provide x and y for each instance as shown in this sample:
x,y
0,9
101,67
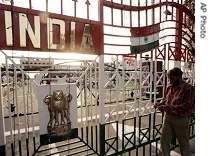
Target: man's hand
x,y
156,105
160,103
161,108
164,108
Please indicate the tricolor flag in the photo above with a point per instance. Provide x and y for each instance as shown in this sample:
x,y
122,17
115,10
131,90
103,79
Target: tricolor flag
x,y
144,38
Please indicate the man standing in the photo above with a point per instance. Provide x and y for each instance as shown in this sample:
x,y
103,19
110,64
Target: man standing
x,y
178,105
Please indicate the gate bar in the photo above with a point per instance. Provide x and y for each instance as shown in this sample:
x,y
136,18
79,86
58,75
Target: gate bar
x,y
2,136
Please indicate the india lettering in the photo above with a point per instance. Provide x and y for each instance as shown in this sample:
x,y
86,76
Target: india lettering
x,y
26,29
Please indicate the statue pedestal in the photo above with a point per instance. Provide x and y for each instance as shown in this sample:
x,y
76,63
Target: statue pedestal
x,y
59,130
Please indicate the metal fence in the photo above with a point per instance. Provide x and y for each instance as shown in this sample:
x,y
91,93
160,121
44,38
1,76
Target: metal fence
x,y
130,123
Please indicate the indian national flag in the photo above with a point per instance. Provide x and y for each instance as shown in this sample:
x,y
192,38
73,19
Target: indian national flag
x,y
144,38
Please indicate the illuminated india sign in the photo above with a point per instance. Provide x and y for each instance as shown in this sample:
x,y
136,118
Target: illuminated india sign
x,y
26,29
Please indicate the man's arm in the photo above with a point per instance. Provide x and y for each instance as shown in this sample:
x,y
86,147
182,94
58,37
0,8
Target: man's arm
x,y
183,103
163,102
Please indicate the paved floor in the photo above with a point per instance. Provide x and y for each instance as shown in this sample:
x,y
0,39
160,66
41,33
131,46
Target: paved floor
x,y
176,152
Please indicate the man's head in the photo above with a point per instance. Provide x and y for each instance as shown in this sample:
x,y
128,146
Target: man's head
x,y
175,76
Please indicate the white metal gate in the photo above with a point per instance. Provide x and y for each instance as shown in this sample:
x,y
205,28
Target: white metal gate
x,y
19,112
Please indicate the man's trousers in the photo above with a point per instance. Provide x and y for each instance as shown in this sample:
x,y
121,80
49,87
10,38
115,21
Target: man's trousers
x,y
175,127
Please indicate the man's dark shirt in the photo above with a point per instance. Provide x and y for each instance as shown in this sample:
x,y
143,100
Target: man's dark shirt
x,y
180,100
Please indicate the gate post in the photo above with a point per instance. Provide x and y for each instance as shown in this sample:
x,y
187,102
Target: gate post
x,y
101,90
2,136
101,112
101,106
102,139
178,41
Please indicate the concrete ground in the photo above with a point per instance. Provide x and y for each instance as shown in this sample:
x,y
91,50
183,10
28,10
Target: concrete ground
x,y
176,152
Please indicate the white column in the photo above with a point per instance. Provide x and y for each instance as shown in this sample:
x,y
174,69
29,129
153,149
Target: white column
x,y
2,136
101,90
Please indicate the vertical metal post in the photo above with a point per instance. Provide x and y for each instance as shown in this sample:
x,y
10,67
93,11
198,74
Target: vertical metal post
x,y
122,81
164,72
32,115
139,135
85,95
123,135
46,5
130,15
96,92
150,145
178,41
96,138
136,88
112,15
101,89
134,131
146,13
118,109
144,150
102,139
25,103
61,7
117,135
121,11
2,136
30,4
16,103
101,70
101,134
160,13
151,82
88,9
155,73
140,84
91,93
9,100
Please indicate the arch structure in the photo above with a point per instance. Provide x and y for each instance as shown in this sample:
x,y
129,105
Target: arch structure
x,y
159,33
